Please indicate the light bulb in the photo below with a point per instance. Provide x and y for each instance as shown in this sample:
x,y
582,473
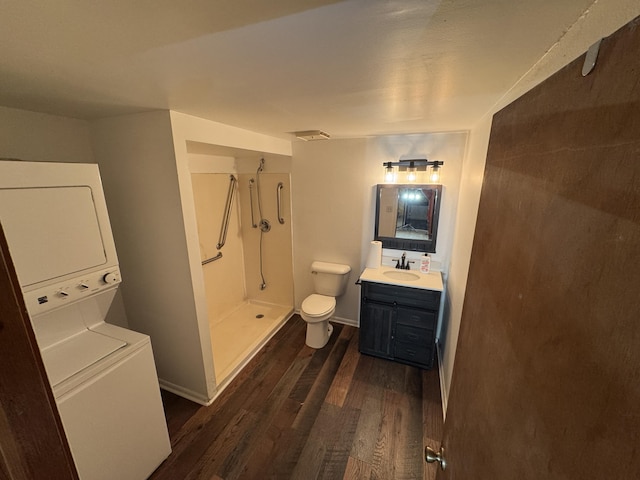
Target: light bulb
x,y
434,176
389,173
411,173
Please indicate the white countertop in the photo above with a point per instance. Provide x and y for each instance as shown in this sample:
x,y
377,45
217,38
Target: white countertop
x,y
426,281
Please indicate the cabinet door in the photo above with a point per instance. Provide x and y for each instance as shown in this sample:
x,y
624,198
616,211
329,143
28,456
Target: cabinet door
x,y
376,329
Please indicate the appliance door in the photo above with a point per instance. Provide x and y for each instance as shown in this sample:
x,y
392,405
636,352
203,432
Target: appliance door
x,y
52,231
115,422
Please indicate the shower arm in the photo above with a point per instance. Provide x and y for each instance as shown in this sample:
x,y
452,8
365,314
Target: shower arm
x,y
227,212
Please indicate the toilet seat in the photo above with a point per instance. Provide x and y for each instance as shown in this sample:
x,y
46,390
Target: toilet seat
x,y
318,305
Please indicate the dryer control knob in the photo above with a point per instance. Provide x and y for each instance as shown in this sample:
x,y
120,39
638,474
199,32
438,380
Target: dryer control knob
x,y
110,278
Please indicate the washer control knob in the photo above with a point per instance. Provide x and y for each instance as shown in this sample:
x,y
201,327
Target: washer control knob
x,y
110,278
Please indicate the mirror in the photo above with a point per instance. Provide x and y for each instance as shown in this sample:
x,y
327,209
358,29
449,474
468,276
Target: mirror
x,y
407,216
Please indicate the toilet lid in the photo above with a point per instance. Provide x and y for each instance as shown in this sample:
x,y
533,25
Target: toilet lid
x,y
316,305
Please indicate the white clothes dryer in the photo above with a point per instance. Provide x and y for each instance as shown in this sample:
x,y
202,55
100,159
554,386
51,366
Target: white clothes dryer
x,y
102,376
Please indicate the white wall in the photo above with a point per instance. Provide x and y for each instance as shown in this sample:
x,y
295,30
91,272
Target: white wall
x,y
45,138
48,138
334,202
602,19
329,202
137,159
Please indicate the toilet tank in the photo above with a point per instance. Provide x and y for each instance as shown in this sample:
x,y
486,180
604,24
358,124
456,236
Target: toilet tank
x,y
330,278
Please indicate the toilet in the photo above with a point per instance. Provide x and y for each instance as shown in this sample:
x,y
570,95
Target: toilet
x,y
329,281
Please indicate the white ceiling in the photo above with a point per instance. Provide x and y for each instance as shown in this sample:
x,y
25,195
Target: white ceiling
x,y
350,68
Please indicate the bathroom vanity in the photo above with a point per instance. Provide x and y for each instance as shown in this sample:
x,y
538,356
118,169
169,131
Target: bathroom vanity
x,y
399,312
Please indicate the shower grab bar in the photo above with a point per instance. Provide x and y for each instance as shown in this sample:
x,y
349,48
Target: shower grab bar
x,y
279,202
227,212
212,259
253,222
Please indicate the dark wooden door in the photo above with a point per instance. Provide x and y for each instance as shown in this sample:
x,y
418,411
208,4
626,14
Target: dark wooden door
x,y
546,383
32,442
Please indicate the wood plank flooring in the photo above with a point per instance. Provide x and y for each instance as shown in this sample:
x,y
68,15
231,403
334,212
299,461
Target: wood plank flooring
x,y
299,413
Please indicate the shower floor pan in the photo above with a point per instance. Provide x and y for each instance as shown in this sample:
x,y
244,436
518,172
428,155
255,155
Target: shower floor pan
x,y
238,336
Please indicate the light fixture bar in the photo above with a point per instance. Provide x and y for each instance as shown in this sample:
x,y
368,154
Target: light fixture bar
x,y
416,162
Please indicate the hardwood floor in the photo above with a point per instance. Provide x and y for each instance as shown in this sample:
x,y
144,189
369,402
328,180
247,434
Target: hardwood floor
x,y
299,413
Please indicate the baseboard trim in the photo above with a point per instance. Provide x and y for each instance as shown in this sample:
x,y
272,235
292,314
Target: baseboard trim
x,y
343,321
184,392
443,391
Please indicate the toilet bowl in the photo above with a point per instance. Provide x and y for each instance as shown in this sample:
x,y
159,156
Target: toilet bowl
x,y
330,281
316,311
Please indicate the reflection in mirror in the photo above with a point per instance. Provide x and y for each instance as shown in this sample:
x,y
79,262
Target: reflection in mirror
x,y
407,216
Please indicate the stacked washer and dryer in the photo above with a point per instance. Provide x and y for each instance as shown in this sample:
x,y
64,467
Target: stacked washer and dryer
x,y
103,377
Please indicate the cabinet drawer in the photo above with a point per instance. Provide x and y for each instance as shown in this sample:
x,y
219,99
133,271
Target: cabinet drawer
x,y
416,336
422,355
417,318
412,297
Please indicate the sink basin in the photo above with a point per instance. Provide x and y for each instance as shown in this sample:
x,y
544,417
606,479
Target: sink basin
x,y
400,275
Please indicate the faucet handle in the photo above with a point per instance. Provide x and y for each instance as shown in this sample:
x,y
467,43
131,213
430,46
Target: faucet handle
x,y
408,262
397,260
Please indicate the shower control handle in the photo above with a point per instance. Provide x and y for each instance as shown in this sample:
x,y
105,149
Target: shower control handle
x,y
265,225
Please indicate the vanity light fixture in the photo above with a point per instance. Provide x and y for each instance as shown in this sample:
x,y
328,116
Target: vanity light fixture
x,y
411,166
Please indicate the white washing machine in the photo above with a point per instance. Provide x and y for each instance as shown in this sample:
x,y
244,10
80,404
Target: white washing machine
x,y
103,377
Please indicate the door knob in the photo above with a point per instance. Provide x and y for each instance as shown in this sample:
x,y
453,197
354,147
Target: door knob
x,y
431,456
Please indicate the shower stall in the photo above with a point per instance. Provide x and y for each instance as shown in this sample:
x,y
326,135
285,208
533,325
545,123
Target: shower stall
x,y
243,216
207,309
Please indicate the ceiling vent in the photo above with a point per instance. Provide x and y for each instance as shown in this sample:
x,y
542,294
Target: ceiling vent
x,y
312,135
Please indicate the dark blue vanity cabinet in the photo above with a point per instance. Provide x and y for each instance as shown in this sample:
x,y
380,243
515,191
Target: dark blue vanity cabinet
x,y
399,323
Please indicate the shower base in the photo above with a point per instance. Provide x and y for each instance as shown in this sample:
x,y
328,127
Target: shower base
x,y
237,336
